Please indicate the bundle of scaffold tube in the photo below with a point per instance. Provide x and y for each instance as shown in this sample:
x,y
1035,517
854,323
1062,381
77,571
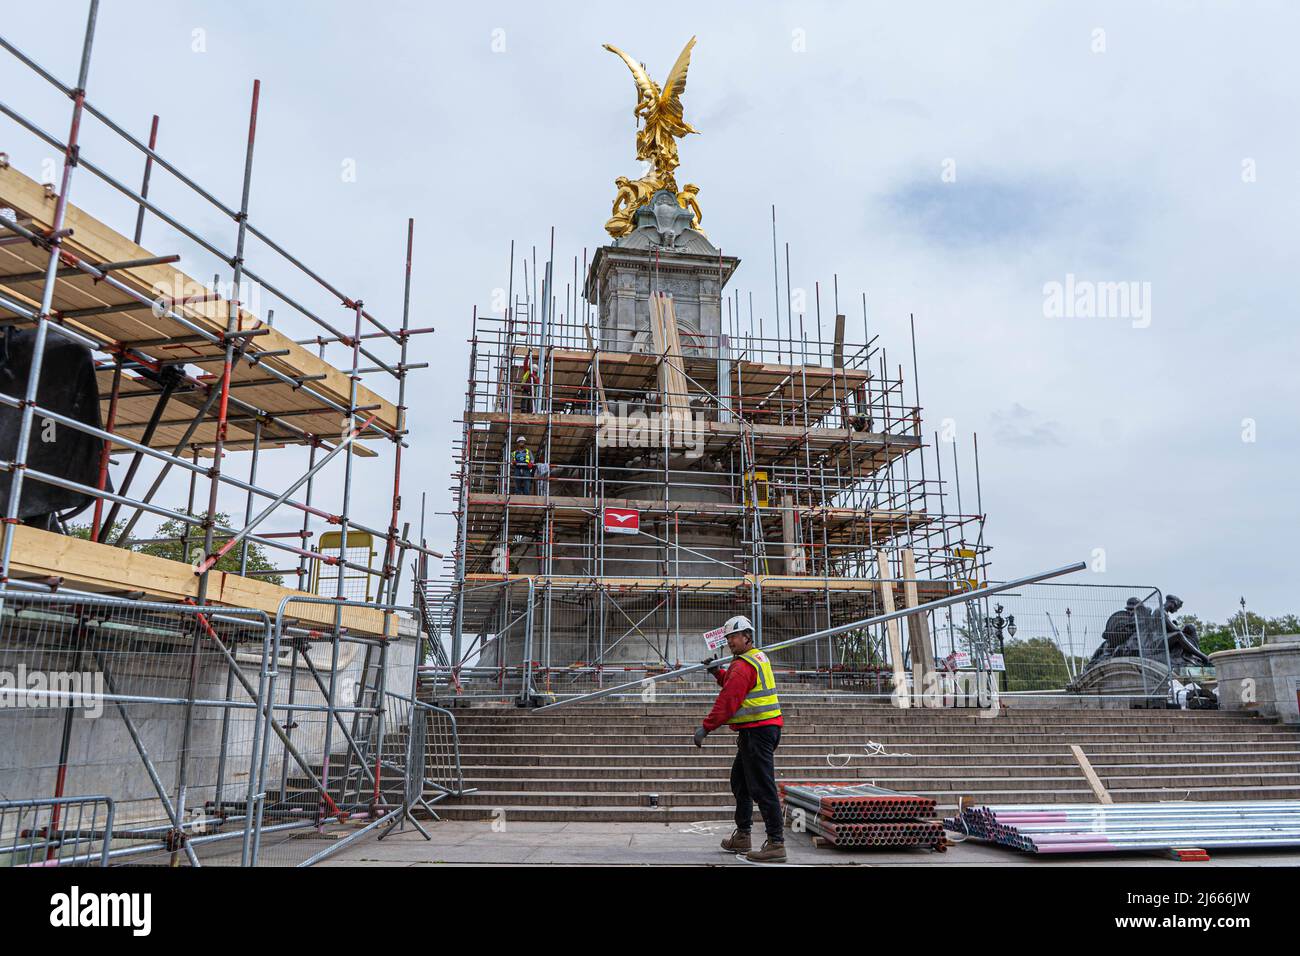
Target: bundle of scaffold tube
x,y
1108,828
861,815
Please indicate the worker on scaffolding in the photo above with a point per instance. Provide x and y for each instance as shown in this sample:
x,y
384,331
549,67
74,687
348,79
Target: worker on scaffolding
x,y
524,466
529,379
748,704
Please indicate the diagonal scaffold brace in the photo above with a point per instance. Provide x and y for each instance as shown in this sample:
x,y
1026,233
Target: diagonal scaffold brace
x,y
959,598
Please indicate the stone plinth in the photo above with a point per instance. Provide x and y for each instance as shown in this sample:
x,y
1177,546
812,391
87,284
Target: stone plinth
x,y
1263,680
663,254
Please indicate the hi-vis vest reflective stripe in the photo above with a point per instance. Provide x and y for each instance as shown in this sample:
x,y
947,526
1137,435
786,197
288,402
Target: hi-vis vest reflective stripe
x,y
523,457
760,703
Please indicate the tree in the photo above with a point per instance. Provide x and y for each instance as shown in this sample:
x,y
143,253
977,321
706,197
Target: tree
x,y
1212,637
1223,637
857,651
169,542
1035,664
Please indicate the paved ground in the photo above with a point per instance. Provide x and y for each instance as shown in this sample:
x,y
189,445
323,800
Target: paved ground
x,y
612,844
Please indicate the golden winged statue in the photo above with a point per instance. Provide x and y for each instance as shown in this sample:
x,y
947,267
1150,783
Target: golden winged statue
x,y
659,114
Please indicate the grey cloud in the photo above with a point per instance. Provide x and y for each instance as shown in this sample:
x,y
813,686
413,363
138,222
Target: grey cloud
x,y
1020,426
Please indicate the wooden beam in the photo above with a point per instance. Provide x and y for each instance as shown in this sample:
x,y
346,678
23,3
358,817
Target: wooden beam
x,y
646,583
837,363
768,581
673,393
1094,781
918,637
724,429
602,403
96,242
891,629
89,565
794,556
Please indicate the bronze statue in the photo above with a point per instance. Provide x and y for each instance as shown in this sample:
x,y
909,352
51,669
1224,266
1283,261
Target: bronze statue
x,y
1137,631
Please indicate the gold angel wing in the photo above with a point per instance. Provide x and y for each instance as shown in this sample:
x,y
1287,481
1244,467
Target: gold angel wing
x,y
670,100
645,86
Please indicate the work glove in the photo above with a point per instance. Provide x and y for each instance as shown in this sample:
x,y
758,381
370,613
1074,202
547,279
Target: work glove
x,y
700,734
712,664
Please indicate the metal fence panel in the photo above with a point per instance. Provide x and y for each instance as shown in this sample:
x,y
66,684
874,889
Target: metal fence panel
x,y
1065,640
64,831
151,704
350,753
134,732
538,642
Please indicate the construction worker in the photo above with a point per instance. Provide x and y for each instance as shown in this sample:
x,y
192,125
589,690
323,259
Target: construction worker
x,y
524,466
529,380
748,704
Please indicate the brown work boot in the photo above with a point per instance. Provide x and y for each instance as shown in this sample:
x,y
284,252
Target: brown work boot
x,y
771,853
738,842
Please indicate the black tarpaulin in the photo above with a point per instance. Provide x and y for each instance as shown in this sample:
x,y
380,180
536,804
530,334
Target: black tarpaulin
x,y
67,386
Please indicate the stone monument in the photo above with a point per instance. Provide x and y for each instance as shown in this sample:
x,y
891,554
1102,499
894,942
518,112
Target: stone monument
x,y
658,245
662,253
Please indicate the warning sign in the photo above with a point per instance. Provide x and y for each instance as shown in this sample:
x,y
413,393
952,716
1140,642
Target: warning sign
x,y
960,660
714,639
622,521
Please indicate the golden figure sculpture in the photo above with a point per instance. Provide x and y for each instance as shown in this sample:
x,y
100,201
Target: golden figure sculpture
x,y
659,114
686,199
632,195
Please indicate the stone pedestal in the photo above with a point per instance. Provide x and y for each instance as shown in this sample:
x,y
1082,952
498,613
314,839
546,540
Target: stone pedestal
x,y
663,254
1263,680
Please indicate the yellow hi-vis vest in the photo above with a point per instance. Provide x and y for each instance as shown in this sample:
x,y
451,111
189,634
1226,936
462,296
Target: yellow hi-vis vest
x,y
760,703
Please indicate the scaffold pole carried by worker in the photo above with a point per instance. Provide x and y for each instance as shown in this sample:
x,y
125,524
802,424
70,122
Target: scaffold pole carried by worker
x,y
748,704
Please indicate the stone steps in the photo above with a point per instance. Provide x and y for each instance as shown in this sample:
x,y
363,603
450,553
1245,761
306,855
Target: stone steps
x,y
813,735
722,810
882,768
598,763
915,754
587,790
818,745
912,718
611,723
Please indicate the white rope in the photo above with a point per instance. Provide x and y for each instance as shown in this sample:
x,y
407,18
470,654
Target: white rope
x,y
965,829
872,748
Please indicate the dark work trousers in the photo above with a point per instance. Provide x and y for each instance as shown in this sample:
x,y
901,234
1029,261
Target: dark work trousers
x,y
523,480
753,780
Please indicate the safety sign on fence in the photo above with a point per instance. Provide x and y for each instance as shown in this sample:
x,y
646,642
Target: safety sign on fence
x,y
714,639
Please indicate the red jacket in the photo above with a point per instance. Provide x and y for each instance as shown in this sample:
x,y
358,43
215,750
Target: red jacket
x,y
737,681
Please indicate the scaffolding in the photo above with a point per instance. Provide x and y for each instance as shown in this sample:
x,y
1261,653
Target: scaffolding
x,y
778,472
190,375
187,375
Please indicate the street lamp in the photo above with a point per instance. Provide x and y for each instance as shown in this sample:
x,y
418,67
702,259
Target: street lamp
x,y
1009,623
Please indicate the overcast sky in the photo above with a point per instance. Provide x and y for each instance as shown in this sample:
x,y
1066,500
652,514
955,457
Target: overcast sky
x,y
950,160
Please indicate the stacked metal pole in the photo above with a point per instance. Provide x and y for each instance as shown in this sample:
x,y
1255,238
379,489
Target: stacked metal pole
x,y
1097,828
862,815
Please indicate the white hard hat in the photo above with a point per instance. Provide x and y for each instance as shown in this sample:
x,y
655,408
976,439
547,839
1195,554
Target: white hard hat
x,y
737,623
